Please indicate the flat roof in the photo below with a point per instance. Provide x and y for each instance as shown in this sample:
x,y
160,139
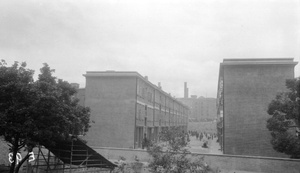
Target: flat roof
x,y
253,61
260,61
112,73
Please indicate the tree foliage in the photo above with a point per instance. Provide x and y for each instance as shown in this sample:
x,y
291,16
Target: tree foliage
x,y
285,120
170,155
37,112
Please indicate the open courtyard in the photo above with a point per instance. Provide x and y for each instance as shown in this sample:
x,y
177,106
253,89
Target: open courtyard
x,y
195,146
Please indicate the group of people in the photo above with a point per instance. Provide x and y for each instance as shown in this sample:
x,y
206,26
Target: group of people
x,y
200,136
147,142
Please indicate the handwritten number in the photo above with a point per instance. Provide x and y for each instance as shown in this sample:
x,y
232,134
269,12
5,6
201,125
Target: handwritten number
x,y
31,156
19,157
10,159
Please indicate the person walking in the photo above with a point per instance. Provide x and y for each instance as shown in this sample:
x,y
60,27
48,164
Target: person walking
x,y
145,142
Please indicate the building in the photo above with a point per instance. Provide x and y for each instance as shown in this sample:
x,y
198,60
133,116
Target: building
x,y
202,108
245,89
125,106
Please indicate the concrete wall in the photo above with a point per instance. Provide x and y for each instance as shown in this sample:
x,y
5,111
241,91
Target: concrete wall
x,y
112,102
248,90
219,163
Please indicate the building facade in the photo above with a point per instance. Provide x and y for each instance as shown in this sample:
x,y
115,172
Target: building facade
x,y
202,109
125,107
245,89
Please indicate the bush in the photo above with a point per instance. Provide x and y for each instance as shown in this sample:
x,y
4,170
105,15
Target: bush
x,y
171,156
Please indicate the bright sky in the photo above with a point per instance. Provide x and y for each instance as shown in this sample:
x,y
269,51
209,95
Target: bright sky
x,y
171,42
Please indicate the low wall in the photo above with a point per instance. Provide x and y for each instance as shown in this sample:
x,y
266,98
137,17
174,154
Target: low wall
x,y
221,163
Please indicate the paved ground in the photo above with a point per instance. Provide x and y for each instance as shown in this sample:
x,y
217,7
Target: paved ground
x,y
195,146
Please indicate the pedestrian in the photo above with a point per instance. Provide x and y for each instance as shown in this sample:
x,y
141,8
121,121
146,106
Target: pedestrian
x,y
145,142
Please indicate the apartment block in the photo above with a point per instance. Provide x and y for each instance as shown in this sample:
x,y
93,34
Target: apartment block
x,y
202,108
125,106
245,89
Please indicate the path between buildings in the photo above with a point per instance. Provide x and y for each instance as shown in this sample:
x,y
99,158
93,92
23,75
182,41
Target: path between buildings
x,y
195,146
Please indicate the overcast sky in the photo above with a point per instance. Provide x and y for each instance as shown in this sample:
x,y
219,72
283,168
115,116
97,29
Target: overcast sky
x,y
171,42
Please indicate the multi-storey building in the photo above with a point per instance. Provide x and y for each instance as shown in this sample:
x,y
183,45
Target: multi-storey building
x,y
125,107
202,108
245,89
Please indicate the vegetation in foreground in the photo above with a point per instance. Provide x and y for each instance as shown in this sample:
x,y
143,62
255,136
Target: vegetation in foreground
x,y
171,156
36,112
285,121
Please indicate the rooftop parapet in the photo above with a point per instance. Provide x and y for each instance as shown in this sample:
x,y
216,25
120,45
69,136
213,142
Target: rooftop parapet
x,y
260,61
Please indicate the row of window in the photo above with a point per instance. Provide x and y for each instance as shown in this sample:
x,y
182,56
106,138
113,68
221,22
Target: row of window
x,y
151,95
158,116
161,112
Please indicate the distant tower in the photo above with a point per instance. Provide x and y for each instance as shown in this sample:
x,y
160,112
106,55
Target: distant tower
x,y
186,91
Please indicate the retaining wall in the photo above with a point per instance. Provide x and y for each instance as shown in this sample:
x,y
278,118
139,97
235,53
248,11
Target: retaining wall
x,y
219,163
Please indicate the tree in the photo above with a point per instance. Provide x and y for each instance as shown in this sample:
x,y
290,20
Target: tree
x,y
37,112
285,120
171,155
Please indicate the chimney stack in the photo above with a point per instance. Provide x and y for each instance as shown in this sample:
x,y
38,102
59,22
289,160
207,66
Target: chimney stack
x,y
186,91
159,86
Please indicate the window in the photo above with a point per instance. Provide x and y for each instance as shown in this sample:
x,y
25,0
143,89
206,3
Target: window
x,y
143,92
140,114
149,97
